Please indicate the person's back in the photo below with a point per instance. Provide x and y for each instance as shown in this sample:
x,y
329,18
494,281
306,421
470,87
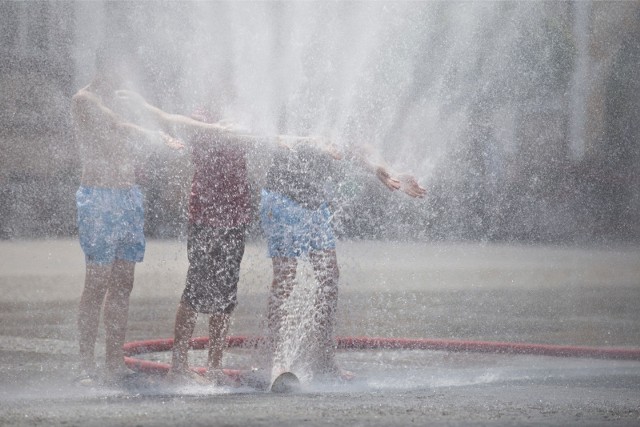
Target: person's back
x,y
220,194
302,174
106,156
296,218
110,215
219,213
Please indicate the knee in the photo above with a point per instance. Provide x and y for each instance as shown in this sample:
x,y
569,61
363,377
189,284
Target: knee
x,y
122,278
122,288
283,282
330,275
278,293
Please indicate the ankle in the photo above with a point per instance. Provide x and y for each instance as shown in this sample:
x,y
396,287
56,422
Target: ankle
x,y
179,368
217,377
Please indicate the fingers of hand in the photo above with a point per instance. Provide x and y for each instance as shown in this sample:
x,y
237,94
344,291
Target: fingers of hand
x,y
413,189
410,186
335,152
392,183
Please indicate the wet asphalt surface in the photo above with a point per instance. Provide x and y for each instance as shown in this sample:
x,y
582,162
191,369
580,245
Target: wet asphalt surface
x,y
568,296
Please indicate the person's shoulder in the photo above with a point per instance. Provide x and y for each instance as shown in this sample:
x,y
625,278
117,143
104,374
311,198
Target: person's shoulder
x,y
79,102
84,95
84,102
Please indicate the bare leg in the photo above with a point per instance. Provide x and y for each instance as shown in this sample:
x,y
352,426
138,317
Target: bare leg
x,y
185,324
116,314
284,275
183,331
218,327
325,266
96,283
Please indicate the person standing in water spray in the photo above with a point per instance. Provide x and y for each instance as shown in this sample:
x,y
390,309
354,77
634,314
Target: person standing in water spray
x,y
219,213
110,204
300,170
110,211
296,219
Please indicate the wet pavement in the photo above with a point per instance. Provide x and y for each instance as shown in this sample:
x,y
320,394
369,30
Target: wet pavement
x,y
545,295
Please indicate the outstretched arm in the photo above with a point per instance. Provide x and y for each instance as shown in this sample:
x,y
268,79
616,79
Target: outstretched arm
x,y
371,160
188,128
87,106
221,132
175,124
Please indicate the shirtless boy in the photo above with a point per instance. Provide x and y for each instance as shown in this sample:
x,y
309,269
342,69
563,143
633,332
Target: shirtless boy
x,y
296,219
219,212
110,212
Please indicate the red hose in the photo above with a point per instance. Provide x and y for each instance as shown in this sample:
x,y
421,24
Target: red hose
x,y
358,343
159,345
369,343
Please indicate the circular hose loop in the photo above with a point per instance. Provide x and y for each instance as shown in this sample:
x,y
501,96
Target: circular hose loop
x,y
371,343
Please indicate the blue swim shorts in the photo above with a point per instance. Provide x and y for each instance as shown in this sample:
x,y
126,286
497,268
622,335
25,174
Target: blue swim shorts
x,y
292,230
111,224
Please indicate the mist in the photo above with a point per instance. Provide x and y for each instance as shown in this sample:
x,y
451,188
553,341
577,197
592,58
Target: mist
x,y
520,118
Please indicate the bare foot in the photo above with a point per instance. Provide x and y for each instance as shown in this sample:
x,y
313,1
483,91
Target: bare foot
x,y
345,375
118,376
218,377
87,378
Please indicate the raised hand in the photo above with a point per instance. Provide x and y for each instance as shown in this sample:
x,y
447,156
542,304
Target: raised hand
x,y
385,177
409,185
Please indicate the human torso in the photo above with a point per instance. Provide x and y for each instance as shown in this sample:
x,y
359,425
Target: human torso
x,y
106,156
220,194
302,174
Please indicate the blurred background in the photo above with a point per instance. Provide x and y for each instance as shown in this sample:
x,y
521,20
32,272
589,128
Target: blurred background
x,y
520,118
